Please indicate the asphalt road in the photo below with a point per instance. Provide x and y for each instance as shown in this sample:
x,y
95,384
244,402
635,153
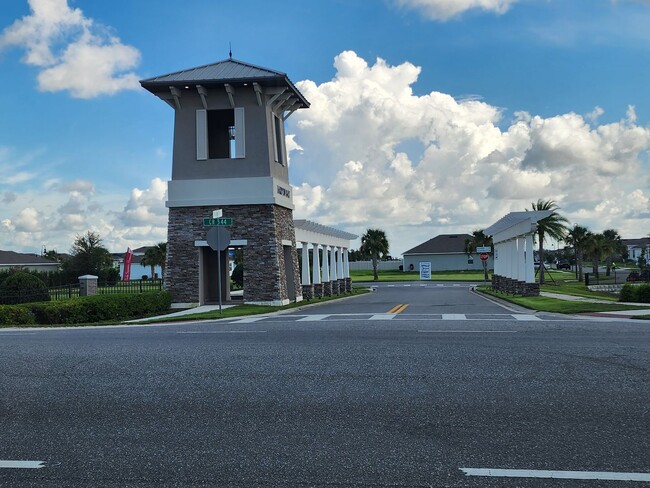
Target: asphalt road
x,y
356,393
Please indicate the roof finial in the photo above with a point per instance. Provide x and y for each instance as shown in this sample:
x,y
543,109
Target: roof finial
x,y
230,51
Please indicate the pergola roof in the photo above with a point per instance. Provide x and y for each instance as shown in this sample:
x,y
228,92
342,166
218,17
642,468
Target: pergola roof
x,y
515,224
312,232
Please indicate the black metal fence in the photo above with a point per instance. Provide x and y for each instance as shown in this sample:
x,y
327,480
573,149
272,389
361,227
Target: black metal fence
x,y
72,290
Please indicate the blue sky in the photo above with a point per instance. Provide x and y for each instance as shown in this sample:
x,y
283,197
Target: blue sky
x,y
427,116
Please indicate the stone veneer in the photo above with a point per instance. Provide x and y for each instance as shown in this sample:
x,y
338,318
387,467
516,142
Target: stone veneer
x,y
511,286
264,227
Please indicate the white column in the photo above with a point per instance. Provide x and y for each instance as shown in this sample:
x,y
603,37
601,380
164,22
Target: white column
x,y
315,264
498,269
521,258
339,263
346,264
530,259
305,264
325,270
333,275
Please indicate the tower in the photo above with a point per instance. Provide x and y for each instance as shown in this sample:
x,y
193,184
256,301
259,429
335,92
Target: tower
x,y
229,153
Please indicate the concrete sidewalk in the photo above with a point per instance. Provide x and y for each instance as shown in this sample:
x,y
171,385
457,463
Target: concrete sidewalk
x,y
189,311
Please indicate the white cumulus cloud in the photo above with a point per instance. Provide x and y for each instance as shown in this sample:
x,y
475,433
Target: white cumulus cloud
x,y
75,54
446,9
374,154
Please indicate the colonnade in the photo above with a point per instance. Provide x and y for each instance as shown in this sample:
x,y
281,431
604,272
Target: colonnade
x,y
514,256
329,277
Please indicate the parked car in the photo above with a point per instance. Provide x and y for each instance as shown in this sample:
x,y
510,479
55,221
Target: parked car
x,y
644,275
563,265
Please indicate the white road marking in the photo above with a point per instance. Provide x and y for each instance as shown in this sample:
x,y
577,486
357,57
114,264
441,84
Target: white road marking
x,y
383,316
526,317
249,320
469,331
569,475
220,331
22,464
313,318
453,316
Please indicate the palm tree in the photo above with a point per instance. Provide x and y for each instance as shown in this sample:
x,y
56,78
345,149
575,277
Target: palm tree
x,y
373,245
598,247
478,239
578,238
616,247
156,256
553,226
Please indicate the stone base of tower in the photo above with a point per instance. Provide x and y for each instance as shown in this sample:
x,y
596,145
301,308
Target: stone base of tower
x,y
267,237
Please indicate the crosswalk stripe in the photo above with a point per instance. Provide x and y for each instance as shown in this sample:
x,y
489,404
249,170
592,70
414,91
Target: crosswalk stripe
x,y
22,464
526,317
453,316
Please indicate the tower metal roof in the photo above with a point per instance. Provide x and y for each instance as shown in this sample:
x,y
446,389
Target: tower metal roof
x,y
228,71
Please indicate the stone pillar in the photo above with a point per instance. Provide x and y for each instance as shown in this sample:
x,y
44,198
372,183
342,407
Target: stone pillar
x,y
339,269
307,288
346,271
333,275
87,285
318,286
325,273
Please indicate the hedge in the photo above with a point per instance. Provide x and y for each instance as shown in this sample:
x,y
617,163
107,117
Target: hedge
x,y
635,293
83,310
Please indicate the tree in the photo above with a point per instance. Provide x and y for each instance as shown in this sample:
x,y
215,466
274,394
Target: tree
x,y
156,256
615,247
374,244
553,226
89,257
478,239
578,237
598,246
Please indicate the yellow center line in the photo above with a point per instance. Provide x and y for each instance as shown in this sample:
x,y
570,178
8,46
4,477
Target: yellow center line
x,y
399,308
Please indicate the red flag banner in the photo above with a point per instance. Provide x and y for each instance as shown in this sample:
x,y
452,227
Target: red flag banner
x,y
128,258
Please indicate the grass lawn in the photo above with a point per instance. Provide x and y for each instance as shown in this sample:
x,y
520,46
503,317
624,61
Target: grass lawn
x,y
547,304
387,276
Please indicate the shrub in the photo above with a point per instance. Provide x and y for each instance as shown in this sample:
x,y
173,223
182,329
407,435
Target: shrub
x,y
628,293
22,287
16,315
97,308
643,293
237,276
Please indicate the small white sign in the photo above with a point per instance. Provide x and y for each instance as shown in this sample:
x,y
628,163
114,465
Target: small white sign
x,y
425,270
217,214
483,249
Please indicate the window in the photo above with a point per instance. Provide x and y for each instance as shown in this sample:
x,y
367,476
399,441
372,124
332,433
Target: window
x,y
277,135
220,134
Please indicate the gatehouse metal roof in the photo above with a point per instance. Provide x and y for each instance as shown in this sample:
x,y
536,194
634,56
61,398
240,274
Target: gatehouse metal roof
x,y
309,226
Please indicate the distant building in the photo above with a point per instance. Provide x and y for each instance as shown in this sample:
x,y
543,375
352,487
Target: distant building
x,y
445,252
138,270
635,246
31,262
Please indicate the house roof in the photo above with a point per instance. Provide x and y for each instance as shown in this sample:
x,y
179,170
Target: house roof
x,y
442,244
11,258
642,242
228,71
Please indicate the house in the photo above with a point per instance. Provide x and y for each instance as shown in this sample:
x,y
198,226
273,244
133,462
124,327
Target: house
x,y
31,262
138,270
635,246
445,252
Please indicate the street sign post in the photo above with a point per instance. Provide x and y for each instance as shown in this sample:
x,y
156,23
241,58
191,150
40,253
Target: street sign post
x,y
218,238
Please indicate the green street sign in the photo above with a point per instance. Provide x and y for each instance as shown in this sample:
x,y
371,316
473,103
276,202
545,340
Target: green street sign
x,y
220,222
